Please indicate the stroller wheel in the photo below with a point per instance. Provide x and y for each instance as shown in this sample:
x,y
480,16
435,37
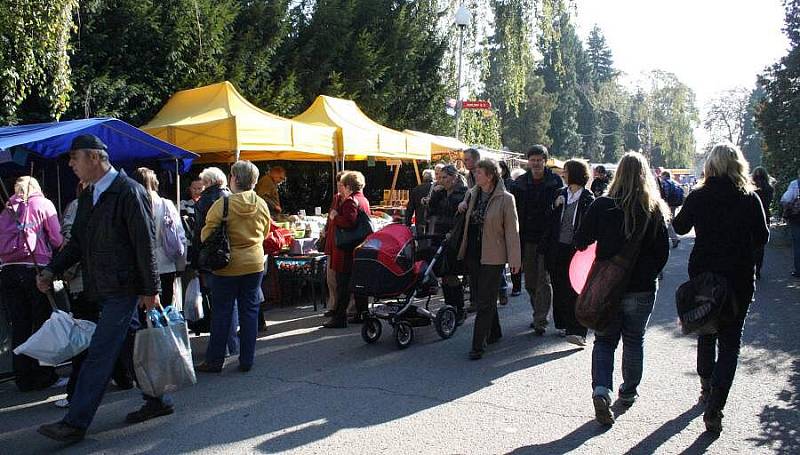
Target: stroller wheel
x,y
371,330
403,334
446,321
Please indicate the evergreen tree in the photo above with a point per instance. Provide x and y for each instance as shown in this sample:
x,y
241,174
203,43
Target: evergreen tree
x,y
779,115
601,60
752,140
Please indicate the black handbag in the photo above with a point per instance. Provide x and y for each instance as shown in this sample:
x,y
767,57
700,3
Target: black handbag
x,y
703,302
215,252
348,239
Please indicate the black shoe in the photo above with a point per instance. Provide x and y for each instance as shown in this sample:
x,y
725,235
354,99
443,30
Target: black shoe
x,y
245,368
602,410
149,411
335,324
208,368
516,293
461,316
713,421
503,300
475,355
63,432
356,320
328,314
538,331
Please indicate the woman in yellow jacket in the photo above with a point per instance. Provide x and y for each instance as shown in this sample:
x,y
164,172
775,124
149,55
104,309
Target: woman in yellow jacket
x,y
240,280
490,240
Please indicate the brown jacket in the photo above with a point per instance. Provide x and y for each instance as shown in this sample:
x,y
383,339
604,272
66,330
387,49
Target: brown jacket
x,y
500,242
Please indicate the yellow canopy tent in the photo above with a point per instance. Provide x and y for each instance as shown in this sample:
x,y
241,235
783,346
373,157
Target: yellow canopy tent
x,y
359,137
440,145
218,123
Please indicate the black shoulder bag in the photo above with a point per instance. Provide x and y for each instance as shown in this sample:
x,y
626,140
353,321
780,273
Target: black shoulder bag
x,y
215,252
349,239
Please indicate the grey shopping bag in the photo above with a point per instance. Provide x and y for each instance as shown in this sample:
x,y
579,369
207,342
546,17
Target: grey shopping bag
x,y
162,355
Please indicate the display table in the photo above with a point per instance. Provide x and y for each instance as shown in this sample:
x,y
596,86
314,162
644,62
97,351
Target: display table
x,y
297,271
398,213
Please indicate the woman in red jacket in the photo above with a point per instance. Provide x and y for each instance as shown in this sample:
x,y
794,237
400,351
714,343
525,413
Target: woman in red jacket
x,y
341,261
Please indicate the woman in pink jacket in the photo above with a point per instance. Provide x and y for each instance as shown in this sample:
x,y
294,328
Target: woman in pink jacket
x,y
29,232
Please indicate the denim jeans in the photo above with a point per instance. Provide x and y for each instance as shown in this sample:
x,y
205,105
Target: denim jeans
x,y
233,336
630,325
795,227
118,315
240,292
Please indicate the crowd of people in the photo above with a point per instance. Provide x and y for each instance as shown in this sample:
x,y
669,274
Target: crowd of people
x,y
115,249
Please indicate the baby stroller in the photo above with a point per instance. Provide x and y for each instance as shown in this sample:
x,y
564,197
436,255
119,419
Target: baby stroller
x,y
385,267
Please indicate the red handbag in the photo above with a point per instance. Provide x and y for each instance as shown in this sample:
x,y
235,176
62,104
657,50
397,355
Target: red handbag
x,y
277,239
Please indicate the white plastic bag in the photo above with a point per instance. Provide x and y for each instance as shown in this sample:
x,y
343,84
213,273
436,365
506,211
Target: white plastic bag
x,y
60,338
193,302
162,355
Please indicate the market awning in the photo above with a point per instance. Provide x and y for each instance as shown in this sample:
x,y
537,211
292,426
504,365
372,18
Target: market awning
x,y
440,145
125,143
359,137
216,121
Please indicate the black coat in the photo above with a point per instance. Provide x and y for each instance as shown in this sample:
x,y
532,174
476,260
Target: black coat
x,y
767,195
207,199
415,203
730,226
114,241
604,223
443,207
550,239
531,226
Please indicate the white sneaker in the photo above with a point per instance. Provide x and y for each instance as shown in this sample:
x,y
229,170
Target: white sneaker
x,y
576,340
62,382
62,403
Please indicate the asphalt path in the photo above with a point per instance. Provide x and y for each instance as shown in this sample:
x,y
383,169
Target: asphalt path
x,y
324,391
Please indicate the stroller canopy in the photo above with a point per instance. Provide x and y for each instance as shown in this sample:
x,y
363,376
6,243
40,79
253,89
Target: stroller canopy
x,y
393,247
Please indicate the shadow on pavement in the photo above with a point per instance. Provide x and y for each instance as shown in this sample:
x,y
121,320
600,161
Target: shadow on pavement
x,y
665,432
779,420
572,441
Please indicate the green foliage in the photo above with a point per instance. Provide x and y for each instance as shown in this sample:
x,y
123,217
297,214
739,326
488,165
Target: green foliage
x,y
513,87
481,129
601,60
131,55
34,62
779,115
752,140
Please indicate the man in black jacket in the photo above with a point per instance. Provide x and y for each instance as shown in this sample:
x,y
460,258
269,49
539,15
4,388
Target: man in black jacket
x,y
113,238
535,191
416,201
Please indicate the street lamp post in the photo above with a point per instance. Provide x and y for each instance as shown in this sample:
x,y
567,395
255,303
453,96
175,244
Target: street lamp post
x,y
462,20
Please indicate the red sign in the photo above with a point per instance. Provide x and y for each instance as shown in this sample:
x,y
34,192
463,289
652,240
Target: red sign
x,y
476,104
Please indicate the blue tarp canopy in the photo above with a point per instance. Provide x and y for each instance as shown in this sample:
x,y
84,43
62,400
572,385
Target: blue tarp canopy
x,y
125,143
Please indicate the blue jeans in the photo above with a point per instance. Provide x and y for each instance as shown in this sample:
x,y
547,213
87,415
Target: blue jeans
x,y
242,292
630,325
795,227
233,337
118,315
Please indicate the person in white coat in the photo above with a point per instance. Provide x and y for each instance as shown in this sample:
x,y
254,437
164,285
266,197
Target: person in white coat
x,y
164,214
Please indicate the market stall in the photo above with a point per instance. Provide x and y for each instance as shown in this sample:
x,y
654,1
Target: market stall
x,y
44,142
219,124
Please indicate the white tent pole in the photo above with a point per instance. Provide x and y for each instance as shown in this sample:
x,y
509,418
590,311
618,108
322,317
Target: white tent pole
x,y
177,184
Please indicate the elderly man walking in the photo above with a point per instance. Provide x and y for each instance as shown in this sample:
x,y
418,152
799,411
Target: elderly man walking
x,y
113,238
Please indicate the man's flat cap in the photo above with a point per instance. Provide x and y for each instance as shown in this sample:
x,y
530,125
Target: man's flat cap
x,y
87,141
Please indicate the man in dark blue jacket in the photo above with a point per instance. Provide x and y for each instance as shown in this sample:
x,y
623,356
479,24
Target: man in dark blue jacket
x,y
535,191
113,238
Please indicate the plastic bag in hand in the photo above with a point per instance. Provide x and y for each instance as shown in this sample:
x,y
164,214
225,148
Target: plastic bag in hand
x,y
162,355
193,302
60,338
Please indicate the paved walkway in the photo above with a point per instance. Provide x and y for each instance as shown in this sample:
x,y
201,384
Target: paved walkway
x,y
321,391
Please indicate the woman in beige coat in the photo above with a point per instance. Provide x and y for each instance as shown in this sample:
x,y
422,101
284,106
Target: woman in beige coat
x,y
490,240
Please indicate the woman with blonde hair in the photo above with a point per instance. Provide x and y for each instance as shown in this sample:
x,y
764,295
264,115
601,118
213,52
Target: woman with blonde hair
x,y
631,211
730,225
